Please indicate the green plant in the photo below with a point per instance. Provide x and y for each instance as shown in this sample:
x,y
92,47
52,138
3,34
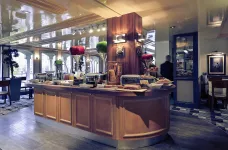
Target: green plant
x,y
8,55
58,62
102,47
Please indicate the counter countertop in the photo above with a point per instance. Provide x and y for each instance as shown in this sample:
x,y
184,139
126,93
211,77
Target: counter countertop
x,y
110,91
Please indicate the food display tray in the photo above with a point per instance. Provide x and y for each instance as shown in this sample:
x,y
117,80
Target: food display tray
x,y
127,90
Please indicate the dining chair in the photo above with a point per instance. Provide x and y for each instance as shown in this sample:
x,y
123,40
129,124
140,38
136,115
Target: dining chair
x,y
4,94
218,90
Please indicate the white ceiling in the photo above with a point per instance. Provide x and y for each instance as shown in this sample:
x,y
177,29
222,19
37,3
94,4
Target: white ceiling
x,y
17,17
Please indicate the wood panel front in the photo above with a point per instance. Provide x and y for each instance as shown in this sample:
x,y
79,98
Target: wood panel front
x,y
51,105
81,111
103,115
118,117
38,102
65,104
144,117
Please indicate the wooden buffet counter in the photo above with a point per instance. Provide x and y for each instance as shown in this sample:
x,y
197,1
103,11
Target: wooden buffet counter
x,y
128,119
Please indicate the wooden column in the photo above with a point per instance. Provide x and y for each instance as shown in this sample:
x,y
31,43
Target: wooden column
x,y
130,25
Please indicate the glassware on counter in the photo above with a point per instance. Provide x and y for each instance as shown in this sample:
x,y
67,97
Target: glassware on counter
x,y
66,77
115,71
71,77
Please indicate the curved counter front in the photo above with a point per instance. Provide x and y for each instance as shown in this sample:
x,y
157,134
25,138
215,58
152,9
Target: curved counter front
x,y
116,118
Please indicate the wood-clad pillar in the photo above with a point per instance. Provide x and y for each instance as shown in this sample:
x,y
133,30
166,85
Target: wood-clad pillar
x,y
130,25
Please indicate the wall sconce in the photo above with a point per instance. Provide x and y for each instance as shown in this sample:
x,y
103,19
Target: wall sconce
x,y
59,45
121,38
140,38
217,53
36,57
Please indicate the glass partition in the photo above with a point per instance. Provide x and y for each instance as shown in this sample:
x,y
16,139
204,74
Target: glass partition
x,y
184,56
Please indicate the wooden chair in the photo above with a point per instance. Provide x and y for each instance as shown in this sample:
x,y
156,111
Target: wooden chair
x,y
218,90
4,94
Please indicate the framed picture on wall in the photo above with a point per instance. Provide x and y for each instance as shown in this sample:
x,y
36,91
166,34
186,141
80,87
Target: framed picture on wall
x,y
215,17
216,64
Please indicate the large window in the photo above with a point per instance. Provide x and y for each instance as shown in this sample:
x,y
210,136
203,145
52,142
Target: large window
x,y
82,41
48,62
94,64
67,64
149,43
93,40
24,70
83,65
68,44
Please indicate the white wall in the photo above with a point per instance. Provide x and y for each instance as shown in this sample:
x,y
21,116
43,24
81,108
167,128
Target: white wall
x,y
162,45
207,36
162,49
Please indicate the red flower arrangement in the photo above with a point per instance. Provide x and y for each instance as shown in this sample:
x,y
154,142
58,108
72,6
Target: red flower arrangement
x,y
77,50
147,56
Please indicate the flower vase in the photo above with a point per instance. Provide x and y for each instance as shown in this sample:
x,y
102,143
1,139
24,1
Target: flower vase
x,y
104,59
76,58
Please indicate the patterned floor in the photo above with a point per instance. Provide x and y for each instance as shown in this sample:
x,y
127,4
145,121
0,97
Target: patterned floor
x,y
24,102
218,117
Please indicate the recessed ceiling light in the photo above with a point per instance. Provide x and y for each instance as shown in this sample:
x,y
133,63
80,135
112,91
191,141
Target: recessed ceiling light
x,y
172,27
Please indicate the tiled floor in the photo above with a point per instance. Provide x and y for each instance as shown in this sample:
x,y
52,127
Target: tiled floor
x,y
20,131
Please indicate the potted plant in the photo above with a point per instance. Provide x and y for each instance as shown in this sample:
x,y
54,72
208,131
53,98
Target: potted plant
x,y
15,83
102,50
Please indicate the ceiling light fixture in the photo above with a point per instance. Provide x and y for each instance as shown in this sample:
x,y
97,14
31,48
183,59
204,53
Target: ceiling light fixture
x,y
103,28
83,30
172,27
98,29
91,30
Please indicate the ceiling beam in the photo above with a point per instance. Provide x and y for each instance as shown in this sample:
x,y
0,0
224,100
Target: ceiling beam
x,y
50,6
64,38
92,51
73,22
